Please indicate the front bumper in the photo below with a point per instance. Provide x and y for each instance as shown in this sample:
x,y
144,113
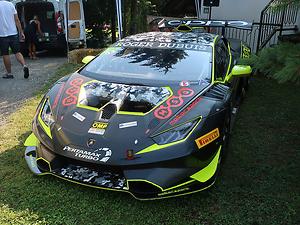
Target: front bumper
x,y
116,179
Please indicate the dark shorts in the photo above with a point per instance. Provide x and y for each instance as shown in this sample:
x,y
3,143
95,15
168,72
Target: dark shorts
x,y
9,41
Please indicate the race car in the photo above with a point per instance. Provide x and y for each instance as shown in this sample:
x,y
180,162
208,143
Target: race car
x,y
151,115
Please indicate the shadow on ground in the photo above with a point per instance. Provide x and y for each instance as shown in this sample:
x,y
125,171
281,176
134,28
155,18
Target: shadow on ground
x,y
258,183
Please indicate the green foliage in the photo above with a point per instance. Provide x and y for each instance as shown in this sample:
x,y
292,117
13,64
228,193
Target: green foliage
x,y
281,62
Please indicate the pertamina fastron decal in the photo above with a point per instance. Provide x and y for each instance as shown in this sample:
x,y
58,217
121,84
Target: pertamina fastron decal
x,y
98,128
207,138
72,92
57,96
164,112
185,111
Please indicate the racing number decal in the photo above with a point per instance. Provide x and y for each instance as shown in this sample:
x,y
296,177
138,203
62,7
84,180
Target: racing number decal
x,y
246,52
165,112
72,92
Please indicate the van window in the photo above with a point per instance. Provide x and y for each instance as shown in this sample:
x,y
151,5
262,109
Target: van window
x,y
74,11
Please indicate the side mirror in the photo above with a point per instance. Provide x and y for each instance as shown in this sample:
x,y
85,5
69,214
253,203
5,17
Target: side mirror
x,y
241,71
87,59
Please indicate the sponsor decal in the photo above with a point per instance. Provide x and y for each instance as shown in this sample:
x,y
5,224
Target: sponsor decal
x,y
185,111
207,138
78,116
174,191
98,155
212,23
57,96
184,83
246,52
127,125
98,128
72,92
164,112
162,45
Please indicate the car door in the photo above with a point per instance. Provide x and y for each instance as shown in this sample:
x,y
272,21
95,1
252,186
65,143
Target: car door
x,y
76,22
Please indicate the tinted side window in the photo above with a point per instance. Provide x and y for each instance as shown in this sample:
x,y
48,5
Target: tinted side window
x,y
222,60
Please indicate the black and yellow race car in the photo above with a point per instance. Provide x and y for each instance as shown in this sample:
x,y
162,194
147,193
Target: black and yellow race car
x,y
151,115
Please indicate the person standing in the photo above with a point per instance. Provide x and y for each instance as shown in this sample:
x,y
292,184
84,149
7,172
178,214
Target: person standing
x,y
31,30
9,38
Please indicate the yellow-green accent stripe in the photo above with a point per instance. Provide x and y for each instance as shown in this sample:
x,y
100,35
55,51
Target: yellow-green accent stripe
x,y
156,147
31,140
208,172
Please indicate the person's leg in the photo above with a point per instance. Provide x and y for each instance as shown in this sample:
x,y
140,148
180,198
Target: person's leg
x,y
34,51
7,63
15,46
30,50
20,58
4,43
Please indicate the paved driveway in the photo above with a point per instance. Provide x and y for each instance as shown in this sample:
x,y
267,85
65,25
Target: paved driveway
x,y
13,92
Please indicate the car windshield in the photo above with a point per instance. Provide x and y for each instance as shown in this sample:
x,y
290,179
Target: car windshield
x,y
152,64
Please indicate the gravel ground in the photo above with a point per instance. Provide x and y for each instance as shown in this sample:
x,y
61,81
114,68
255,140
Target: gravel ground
x,y
14,92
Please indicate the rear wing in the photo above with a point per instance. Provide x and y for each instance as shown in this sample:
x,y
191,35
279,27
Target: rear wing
x,y
196,23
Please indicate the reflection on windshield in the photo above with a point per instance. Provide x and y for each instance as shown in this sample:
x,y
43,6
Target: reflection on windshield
x,y
161,59
152,64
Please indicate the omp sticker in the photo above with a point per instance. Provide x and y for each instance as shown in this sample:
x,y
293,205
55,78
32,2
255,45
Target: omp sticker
x,y
98,128
207,138
127,125
78,116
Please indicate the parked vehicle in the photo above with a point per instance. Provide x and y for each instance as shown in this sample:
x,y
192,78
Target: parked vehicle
x,y
150,116
52,15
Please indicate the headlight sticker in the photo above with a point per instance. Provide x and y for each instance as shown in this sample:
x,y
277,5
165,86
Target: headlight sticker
x,y
98,128
72,92
207,138
164,112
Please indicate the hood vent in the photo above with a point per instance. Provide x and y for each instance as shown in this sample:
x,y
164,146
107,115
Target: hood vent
x,y
218,92
108,111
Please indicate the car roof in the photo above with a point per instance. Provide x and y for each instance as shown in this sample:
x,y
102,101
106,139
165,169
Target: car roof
x,y
196,38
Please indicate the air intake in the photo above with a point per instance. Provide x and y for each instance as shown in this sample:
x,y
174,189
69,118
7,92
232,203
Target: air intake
x,y
218,92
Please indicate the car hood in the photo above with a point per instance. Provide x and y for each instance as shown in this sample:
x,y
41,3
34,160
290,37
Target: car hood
x,y
100,121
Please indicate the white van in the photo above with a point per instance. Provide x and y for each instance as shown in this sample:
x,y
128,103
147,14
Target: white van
x,y
53,17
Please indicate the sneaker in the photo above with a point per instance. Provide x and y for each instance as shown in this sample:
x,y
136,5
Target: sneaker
x,y
26,72
8,76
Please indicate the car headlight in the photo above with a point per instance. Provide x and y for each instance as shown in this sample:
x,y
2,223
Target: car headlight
x,y
46,114
176,134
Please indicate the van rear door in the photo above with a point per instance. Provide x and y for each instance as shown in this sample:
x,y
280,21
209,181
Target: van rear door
x,y
76,25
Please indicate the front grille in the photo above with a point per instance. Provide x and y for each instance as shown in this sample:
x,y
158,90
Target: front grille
x,y
92,176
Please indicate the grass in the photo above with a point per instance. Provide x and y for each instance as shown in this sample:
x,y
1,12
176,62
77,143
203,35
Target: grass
x,y
258,185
